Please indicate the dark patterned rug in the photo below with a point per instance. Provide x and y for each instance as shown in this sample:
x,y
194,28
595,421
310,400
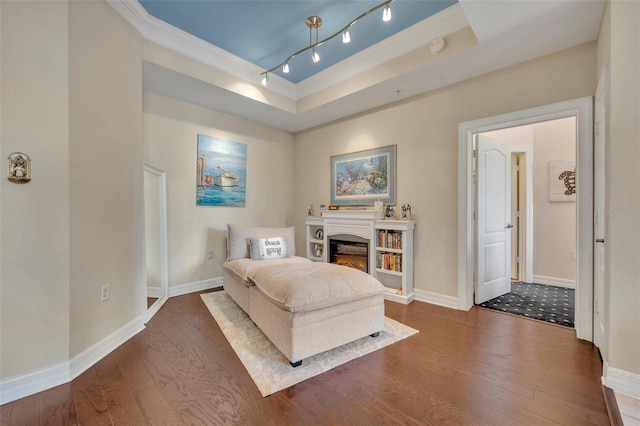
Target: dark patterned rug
x,y
538,301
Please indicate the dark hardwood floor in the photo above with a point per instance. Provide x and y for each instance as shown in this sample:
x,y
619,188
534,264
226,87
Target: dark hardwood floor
x,y
463,368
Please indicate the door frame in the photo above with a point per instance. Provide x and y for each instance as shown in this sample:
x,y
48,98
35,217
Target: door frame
x,y
582,109
525,191
163,240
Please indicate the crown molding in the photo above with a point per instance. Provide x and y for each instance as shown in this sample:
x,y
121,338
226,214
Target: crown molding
x,y
441,24
166,35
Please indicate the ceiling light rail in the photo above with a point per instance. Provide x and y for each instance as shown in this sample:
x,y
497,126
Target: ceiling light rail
x,y
314,22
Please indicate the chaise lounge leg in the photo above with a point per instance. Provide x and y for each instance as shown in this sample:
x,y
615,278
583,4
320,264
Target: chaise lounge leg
x,y
296,364
376,334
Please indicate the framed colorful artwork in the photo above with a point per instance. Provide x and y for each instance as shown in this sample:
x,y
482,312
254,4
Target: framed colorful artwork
x,y
363,177
221,172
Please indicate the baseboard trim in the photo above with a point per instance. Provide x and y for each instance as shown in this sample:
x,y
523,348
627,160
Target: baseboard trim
x,y
436,299
155,292
615,418
558,282
179,290
622,381
40,380
34,382
89,357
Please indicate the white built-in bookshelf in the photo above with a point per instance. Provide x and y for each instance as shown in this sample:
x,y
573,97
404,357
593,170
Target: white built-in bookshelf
x,y
390,246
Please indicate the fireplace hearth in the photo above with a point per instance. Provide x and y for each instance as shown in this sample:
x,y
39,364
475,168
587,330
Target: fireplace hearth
x,y
349,250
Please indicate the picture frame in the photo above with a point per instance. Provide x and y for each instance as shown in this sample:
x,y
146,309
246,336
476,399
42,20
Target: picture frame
x,y
221,172
562,180
363,177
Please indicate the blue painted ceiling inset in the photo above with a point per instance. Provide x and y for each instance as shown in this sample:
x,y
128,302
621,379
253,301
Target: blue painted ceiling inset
x,y
266,32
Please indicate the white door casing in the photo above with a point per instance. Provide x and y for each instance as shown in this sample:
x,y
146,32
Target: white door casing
x,y
599,230
493,219
582,109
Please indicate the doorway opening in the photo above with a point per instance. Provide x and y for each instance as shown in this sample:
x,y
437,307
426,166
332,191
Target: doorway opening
x,y
581,109
532,177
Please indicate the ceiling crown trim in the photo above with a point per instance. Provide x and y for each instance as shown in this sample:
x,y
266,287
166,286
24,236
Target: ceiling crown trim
x,y
439,25
166,35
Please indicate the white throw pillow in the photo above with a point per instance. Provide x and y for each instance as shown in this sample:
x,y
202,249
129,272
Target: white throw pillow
x,y
268,248
238,239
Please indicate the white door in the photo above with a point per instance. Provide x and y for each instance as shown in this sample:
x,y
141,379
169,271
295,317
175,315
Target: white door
x,y
599,305
493,219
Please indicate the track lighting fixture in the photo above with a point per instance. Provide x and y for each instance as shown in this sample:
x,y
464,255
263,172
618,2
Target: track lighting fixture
x,y
314,22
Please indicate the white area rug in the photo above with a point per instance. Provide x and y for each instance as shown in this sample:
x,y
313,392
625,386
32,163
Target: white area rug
x,y
268,368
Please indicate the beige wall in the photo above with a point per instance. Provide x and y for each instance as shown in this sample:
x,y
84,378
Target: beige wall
x,y
554,223
72,100
107,221
171,129
618,51
425,129
34,287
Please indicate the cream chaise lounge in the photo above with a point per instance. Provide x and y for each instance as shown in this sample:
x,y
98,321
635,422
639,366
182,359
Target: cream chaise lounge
x,y
303,307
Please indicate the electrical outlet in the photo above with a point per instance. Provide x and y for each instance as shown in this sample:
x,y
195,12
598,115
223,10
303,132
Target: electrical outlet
x,y
210,254
104,292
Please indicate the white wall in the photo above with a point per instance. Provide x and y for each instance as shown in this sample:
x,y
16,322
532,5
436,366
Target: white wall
x,y
618,53
34,287
71,99
105,151
425,128
554,223
171,129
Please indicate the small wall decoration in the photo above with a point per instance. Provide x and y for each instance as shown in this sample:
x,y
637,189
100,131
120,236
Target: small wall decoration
x,y
361,178
562,180
221,172
19,167
317,251
319,234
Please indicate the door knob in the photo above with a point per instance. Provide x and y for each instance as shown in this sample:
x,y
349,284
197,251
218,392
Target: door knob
x,y
509,226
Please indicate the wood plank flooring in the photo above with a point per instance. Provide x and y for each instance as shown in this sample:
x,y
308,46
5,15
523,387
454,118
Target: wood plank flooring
x,y
463,368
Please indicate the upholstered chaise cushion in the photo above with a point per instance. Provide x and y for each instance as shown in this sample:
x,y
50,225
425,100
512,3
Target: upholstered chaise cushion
x,y
300,287
238,239
242,267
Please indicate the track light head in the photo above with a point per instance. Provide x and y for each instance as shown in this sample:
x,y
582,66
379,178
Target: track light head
x,y
386,14
265,80
346,38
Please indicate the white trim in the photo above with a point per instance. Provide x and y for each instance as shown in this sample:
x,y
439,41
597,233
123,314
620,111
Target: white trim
x,y
621,381
47,378
436,298
582,109
179,290
163,291
441,24
558,282
90,356
155,292
34,382
155,308
526,216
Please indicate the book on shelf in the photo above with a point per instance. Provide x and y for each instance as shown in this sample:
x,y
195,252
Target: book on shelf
x,y
389,261
389,239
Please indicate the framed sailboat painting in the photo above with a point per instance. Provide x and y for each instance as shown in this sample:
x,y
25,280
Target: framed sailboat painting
x,y
221,172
